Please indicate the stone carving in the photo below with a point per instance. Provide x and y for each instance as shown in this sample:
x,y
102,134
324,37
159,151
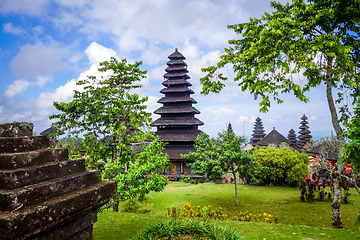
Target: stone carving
x,y
43,194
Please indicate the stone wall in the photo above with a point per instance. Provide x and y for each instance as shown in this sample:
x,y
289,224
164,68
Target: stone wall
x,y
43,194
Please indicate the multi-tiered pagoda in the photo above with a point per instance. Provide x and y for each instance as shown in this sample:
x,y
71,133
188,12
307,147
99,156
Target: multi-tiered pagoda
x,y
304,132
258,132
292,140
177,125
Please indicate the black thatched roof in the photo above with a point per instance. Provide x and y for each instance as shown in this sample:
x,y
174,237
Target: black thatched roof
x,y
49,131
167,83
175,109
177,89
331,155
176,122
274,137
176,99
179,136
176,55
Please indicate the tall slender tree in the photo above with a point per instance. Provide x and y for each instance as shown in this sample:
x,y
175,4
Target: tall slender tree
x,y
111,116
318,39
214,157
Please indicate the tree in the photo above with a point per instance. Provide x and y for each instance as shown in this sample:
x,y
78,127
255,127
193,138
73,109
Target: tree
x,y
111,117
352,148
318,39
282,165
215,156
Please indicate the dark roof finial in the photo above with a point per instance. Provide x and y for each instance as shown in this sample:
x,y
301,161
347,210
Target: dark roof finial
x,y
176,50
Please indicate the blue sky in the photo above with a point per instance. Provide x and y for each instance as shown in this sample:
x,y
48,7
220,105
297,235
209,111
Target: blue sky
x,y
47,46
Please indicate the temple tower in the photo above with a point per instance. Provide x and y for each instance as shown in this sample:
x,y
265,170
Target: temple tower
x,y
177,124
304,132
292,139
258,132
230,129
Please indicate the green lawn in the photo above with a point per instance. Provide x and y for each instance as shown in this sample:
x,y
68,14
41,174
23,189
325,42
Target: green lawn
x,y
297,220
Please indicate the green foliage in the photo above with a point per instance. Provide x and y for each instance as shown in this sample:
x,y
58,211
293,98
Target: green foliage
x,y
110,116
135,206
282,165
24,125
215,156
199,212
176,228
352,148
187,179
142,175
308,36
261,217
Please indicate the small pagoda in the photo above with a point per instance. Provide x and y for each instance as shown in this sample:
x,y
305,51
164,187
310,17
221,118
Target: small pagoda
x,y
177,124
258,132
304,132
292,139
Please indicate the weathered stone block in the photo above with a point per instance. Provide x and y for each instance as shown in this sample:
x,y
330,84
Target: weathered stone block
x,y
80,229
55,211
43,194
23,144
17,178
32,158
16,129
37,193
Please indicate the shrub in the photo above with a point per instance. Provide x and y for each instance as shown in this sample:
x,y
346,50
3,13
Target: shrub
x,y
135,206
281,165
186,227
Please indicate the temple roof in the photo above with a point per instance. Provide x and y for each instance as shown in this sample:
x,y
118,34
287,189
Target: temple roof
x,y
49,131
176,55
176,89
274,137
176,122
176,99
178,136
167,83
175,109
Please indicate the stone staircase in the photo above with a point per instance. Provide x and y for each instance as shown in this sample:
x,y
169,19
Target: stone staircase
x,y
43,194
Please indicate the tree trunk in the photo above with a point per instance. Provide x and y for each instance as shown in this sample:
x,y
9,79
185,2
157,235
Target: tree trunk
x,y
336,204
336,174
236,194
116,206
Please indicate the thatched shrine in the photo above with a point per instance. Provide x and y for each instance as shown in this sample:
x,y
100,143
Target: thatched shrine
x,y
177,124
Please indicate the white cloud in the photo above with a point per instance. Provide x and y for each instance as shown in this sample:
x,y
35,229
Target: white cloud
x,y
38,30
17,87
313,118
242,119
25,7
97,53
10,28
39,59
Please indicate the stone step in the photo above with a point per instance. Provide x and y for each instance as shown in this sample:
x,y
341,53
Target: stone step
x,y
16,129
11,179
32,158
37,193
23,144
55,211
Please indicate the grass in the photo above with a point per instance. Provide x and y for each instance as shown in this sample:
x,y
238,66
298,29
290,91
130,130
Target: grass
x,y
297,220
